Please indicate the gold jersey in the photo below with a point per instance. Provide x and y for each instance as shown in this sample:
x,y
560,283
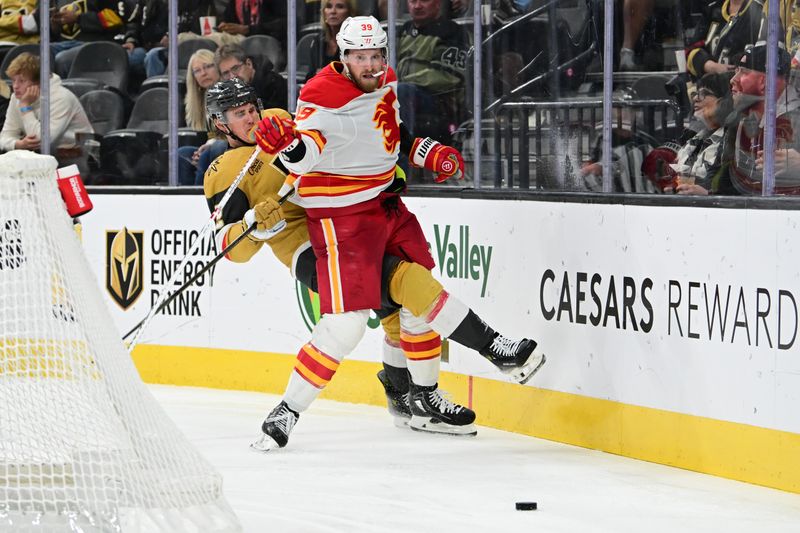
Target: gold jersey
x,y
264,178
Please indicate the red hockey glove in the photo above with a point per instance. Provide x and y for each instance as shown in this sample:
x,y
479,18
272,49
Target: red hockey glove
x,y
444,161
274,134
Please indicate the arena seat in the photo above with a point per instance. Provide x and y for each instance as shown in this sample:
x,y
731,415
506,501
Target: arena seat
x,y
105,109
187,137
132,155
303,55
104,61
150,111
265,46
162,80
81,86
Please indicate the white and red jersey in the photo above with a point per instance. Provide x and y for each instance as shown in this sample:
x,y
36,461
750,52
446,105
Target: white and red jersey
x,y
352,139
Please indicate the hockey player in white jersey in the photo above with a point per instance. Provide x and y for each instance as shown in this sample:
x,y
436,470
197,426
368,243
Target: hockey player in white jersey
x,y
342,151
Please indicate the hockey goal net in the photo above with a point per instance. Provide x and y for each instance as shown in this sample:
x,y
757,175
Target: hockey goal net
x,y
83,444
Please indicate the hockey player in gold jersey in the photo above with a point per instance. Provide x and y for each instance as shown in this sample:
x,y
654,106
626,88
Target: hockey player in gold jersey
x,y
234,110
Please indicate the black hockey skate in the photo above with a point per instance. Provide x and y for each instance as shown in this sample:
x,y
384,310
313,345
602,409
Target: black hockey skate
x,y
396,401
432,412
518,359
276,428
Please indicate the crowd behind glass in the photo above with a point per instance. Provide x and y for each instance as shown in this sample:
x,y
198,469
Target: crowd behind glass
x,y
690,113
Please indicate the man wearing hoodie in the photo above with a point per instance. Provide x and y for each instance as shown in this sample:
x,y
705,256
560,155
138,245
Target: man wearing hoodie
x,y
22,128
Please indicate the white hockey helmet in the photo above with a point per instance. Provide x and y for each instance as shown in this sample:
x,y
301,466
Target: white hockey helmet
x,y
360,33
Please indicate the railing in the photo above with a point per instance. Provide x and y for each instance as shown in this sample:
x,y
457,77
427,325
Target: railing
x,y
557,137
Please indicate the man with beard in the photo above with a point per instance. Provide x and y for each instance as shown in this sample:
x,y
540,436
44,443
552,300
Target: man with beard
x,y
744,142
342,151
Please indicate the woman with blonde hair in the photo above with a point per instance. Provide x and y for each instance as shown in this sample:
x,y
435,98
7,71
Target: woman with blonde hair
x,y
324,48
201,74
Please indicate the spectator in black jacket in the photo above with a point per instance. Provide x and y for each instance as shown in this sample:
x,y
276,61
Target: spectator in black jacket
x,y
151,32
255,17
74,23
728,27
145,31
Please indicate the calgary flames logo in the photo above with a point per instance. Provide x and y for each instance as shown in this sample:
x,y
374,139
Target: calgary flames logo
x,y
385,119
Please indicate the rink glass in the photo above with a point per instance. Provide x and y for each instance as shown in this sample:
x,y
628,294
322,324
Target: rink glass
x,y
534,85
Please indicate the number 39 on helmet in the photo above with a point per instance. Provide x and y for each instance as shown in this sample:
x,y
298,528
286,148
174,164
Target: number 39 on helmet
x,y
361,33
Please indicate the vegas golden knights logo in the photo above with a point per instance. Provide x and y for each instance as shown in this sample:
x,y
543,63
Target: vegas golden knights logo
x,y
124,266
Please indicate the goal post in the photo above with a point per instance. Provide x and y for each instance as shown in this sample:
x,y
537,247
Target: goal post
x,y
84,446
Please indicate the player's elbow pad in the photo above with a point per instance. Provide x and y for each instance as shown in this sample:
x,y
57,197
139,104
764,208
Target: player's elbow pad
x,y
302,157
295,152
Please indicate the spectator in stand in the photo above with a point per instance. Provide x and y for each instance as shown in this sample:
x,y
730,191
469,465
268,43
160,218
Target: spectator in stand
x,y
233,62
641,31
194,160
461,8
18,21
74,23
22,128
737,168
189,13
144,33
700,166
431,63
511,44
202,74
728,27
451,8
5,98
324,48
255,17
635,14
746,139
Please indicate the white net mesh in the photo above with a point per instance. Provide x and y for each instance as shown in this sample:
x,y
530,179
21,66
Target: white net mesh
x,y
83,444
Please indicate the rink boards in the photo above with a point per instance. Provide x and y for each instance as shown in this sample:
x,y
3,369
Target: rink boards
x,y
671,332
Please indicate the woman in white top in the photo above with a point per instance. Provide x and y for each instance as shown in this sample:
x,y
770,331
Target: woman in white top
x,y
22,128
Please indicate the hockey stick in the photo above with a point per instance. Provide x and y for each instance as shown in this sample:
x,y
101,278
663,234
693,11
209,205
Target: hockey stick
x,y
208,226
157,308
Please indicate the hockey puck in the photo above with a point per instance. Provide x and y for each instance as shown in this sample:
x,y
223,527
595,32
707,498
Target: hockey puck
x,y
526,506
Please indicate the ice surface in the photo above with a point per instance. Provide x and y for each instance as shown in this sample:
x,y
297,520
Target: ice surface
x,y
348,469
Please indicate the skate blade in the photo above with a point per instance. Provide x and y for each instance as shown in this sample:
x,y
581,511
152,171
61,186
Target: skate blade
x,y
426,425
524,373
264,444
401,422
